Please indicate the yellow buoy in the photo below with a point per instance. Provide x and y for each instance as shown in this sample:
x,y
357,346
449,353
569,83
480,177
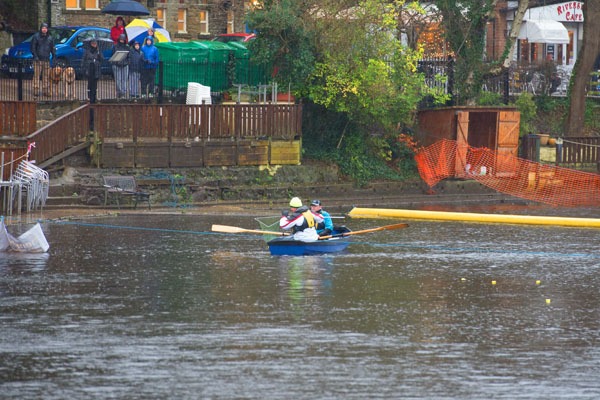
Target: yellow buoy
x,y
493,282
538,282
548,301
358,212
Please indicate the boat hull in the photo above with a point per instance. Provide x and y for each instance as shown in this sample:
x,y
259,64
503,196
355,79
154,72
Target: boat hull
x,y
287,246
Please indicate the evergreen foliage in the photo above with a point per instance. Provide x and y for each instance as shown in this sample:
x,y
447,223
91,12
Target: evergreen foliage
x,y
346,58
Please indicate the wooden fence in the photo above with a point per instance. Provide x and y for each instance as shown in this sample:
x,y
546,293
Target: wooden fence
x,y
17,118
187,135
578,151
62,134
197,122
158,136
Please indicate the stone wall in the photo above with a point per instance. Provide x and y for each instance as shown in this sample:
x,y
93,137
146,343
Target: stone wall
x,y
48,112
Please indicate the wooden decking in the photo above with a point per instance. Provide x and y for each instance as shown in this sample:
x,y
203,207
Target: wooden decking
x,y
158,136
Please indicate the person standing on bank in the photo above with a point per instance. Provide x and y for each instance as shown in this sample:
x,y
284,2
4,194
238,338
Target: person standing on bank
x,y
150,33
120,68
326,227
42,48
136,63
92,61
301,221
150,65
117,30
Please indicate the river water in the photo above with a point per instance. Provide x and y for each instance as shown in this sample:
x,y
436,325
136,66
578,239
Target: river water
x,y
159,307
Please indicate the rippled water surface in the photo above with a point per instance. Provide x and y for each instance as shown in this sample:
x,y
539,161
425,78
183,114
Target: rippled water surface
x,y
158,307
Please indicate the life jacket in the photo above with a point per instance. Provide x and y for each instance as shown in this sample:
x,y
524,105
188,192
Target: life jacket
x,y
309,222
308,217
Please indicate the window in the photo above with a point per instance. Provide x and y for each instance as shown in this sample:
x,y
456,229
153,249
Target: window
x,y
252,4
84,36
91,5
203,16
230,21
103,35
182,20
73,5
161,17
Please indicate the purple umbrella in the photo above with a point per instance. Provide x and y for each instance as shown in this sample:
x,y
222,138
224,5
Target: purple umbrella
x,y
125,7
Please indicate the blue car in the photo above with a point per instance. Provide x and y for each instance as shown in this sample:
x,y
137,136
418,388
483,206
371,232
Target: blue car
x,y
69,42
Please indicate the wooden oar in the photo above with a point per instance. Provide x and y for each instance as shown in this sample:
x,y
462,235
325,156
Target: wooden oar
x,y
381,228
235,229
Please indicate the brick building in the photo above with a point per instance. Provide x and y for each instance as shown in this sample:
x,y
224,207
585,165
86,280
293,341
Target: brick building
x,y
551,30
184,19
496,32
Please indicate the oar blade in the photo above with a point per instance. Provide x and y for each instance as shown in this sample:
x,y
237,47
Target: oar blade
x,y
235,229
395,226
227,229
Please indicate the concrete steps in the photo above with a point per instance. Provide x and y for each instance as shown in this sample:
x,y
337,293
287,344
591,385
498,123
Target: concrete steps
x,y
338,197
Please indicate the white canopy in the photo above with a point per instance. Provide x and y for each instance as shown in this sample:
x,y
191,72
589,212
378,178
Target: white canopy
x,y
544,31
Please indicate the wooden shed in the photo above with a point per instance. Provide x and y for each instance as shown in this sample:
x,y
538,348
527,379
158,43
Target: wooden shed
x,y
494,128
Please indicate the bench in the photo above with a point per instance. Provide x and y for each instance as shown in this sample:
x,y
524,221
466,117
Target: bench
x,y
122,185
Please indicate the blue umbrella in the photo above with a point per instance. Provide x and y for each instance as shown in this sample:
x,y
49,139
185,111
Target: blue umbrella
x,y
137,30
125,7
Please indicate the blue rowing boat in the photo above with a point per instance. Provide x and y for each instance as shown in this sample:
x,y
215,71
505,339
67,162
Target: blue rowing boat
x,y
288,246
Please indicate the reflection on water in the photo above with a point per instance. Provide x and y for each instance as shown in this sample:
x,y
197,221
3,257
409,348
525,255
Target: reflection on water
x,y
21,262
306,276
139,307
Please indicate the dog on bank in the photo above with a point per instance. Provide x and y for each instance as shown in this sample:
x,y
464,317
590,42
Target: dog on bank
x,y
63,78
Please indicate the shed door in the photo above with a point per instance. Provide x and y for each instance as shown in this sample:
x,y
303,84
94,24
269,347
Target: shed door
x,y
507,143
462,143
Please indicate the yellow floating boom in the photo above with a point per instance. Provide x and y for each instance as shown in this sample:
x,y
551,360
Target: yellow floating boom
x,y
358,212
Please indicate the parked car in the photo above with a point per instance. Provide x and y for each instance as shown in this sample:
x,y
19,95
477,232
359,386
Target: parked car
x,y
68,41
235,37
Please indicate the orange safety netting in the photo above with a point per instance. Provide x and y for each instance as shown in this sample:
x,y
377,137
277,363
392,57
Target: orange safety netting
x,y
508,174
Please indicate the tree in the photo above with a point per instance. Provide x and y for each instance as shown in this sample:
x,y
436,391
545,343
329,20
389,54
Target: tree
x,y
286,41
417,20
345,56
589,52
364,70
464,25
514,33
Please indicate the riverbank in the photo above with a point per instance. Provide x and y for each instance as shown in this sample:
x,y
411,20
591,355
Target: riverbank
x,y
77,192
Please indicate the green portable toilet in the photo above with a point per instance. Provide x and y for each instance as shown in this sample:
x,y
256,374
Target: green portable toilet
x,y
183,62
246,71
241,58
216,73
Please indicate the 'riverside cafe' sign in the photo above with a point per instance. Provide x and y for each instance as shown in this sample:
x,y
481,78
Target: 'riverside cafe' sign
x,y
552,32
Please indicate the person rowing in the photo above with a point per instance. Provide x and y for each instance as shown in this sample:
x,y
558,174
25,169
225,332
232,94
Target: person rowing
x,y
324,228
301,221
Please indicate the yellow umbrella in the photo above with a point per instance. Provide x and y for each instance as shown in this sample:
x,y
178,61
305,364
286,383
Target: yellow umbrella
x,y
137,30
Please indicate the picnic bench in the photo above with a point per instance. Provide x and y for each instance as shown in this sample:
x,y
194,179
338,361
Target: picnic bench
x,y
124,186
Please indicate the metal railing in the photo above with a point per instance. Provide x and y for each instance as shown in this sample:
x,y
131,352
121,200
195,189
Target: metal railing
x,y
172,79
